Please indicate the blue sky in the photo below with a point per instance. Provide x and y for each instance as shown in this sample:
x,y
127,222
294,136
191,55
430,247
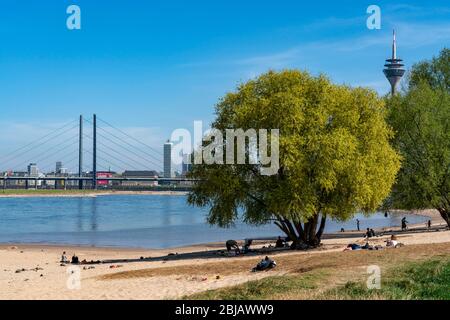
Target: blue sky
x,y
150,67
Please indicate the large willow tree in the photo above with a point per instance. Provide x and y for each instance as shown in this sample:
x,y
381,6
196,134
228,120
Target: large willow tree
x,y
421,119
335,156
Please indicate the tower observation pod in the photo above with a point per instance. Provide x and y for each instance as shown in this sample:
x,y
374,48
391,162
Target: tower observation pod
x,y
394,68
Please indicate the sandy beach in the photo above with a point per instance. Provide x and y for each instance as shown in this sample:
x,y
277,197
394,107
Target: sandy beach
x,y
34,271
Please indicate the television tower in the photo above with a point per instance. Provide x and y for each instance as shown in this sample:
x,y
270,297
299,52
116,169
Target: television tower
x,y
394,68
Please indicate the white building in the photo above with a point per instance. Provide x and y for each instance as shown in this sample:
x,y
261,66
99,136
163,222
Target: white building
x,y
33,170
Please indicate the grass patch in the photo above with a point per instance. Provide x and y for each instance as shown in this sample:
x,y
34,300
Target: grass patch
x,y
413,272
268,288
419,280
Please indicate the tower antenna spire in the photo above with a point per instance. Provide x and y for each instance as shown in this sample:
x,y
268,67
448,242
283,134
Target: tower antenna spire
x,y
394,46
394,68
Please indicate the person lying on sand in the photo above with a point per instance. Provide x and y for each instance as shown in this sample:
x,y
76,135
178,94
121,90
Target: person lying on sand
x,y
353,246
367,246
265,264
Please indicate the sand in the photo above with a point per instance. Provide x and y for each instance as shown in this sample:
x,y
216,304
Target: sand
x,y
191,270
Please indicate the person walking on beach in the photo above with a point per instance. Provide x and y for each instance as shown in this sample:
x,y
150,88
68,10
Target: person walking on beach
x,y
404,222
357,224
429,224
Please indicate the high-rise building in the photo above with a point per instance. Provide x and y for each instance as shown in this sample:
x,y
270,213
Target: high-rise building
x,y
33,170
186,165
59,166
394,68
168,170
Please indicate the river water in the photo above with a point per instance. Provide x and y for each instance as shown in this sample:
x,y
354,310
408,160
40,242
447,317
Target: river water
x,y
146,221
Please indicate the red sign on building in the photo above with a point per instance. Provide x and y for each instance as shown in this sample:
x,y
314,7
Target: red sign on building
x,y
103,174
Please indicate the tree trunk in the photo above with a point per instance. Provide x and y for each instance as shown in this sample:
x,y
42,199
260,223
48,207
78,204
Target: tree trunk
x,y
306,236
445,215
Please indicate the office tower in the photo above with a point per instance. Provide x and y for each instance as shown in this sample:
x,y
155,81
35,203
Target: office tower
x,y
168,170
33,170
58,167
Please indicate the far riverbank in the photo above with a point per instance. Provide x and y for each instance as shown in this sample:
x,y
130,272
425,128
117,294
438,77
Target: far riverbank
x,y
81,193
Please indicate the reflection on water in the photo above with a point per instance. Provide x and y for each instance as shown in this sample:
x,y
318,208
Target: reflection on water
x,y
134,221
94,214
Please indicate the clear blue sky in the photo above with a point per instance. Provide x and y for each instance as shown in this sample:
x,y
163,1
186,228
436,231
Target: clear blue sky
x,y
152,66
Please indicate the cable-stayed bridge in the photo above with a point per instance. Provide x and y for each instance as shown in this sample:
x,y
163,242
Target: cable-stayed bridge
x,y
89,148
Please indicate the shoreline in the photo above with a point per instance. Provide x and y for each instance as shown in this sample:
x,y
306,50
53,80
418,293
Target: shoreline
x,y
87,194
437,225
34,271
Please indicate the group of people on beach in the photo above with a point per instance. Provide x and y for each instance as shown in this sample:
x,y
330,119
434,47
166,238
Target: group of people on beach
x,y
233,247
64,259
390,243
370,233
404,226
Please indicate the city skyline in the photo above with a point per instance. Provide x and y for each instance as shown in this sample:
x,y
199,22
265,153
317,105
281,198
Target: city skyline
x,y
150,70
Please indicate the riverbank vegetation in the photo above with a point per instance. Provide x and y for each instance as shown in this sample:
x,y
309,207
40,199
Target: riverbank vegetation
x,y
420,117
416,272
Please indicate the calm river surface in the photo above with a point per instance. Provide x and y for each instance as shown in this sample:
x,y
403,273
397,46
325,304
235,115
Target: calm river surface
x,y
147,221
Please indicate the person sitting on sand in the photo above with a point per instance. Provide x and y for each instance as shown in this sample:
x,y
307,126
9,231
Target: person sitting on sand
x,y
392,242
74,259
247,244
280,243
368,233
372,232
232,244
64,258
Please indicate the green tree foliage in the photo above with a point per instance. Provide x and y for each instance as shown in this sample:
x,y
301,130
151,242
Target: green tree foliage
x,y
435,73
335,156
421,119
